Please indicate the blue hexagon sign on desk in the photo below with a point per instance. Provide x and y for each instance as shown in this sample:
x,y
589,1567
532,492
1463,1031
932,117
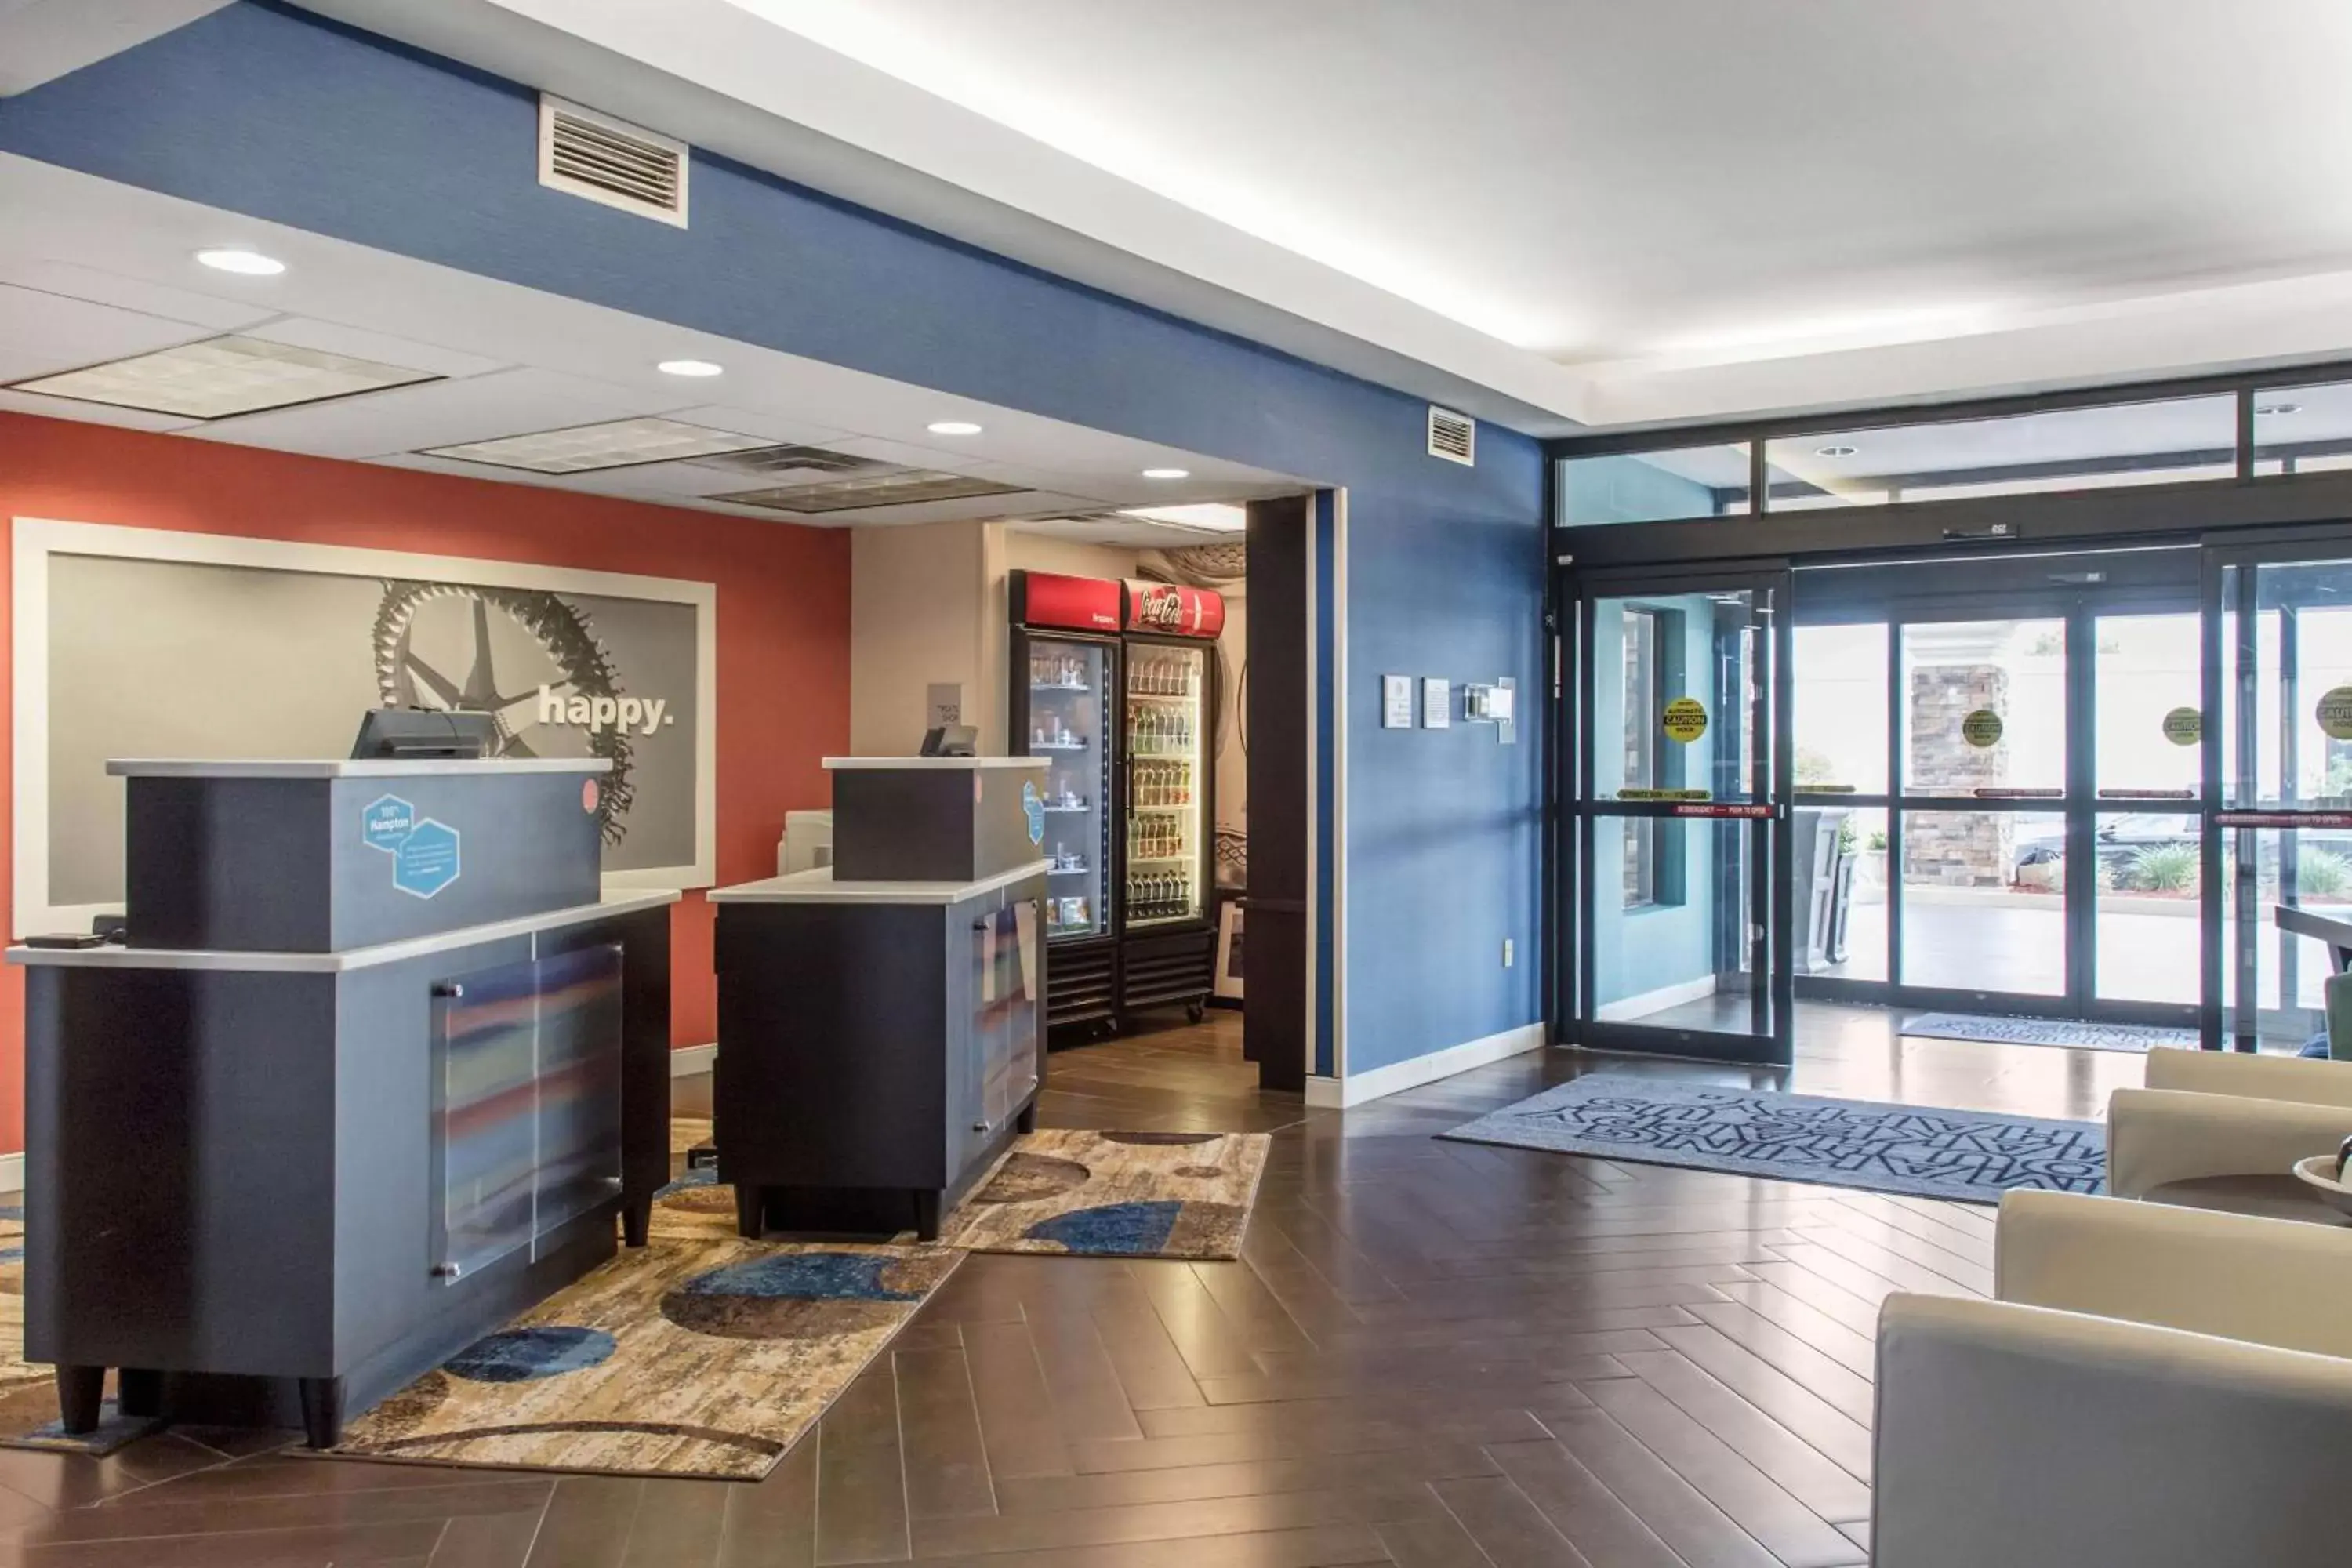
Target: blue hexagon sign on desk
x,y
387,820
426,860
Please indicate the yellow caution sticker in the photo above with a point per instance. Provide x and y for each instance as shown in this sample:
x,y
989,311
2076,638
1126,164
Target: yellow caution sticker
x,y
1684,719
2184,726
2335,713
1981,729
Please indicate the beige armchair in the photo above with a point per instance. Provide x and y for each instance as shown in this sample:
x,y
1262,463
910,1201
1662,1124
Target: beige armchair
x,y
2223,1113
2158,1387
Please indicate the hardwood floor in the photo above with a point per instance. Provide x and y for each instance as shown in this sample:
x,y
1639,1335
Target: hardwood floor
x,y
1434,1354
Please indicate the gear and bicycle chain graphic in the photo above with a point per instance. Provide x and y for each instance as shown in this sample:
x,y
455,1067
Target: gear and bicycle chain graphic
x,y
582,663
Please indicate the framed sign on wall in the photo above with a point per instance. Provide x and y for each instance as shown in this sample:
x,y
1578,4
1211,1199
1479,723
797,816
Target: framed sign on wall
x,y
134,642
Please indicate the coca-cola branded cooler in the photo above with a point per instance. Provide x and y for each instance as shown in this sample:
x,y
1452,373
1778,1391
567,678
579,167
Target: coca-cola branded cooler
x,y
1115,683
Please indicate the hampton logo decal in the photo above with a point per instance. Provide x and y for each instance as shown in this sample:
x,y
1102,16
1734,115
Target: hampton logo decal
x,y
427,855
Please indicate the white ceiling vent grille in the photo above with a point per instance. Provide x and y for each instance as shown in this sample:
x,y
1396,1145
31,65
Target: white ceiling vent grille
x,y
609,161
1452,437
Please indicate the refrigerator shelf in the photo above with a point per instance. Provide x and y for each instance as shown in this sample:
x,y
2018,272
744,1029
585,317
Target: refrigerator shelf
x,y
1158,859
1070,808
1058,686
1069,870
1184,699
1056,746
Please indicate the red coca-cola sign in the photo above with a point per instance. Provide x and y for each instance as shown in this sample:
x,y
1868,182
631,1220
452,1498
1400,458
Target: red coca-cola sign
x,y
1072,604
1169,609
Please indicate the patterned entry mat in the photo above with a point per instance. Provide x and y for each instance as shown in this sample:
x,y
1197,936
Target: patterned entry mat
x,y
1116,1194
2063,1032
1971,1156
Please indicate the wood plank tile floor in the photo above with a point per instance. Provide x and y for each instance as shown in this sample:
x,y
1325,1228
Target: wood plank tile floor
x,y
1434,1355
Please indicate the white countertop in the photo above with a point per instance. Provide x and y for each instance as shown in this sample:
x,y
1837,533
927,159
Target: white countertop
x,y
818,886
838,763
627,901
345,767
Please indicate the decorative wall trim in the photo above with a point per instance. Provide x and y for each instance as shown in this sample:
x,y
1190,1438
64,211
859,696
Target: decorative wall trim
x,y
1337,1093
35,539
690,1061
1627,1009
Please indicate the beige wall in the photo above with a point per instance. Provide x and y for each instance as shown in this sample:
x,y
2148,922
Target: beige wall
x,y
915,617
927,604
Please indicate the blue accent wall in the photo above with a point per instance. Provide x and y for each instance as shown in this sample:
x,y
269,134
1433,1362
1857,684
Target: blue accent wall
x,y
280,115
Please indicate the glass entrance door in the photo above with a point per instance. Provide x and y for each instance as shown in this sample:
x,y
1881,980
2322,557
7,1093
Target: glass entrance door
x,y
2281,866
1997,785
1679,828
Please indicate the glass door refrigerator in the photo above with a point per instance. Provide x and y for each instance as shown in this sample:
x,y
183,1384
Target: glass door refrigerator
x,y
1064,705
1167,938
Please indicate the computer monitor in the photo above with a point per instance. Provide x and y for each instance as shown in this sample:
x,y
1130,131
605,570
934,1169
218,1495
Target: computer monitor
x,y
411,733
950,741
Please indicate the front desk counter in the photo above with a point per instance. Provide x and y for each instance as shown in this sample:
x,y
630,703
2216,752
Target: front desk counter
x,y
339,1110
880,1043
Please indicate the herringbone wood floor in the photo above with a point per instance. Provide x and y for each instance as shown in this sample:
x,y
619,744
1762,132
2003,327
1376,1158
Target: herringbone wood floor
x,y
1434,1354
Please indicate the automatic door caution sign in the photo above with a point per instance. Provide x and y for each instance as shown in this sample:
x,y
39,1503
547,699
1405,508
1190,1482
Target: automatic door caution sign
x,y
1981,729
1684,719
2184,726
2335,713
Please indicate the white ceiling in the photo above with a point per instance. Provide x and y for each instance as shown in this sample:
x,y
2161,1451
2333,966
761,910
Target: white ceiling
x,y
104,270
1609,212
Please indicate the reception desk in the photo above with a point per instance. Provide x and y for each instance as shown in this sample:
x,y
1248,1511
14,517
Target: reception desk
x,y
881,1032
376,1069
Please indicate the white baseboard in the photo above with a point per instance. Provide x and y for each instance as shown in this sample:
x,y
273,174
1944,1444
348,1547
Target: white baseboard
x,y
1337,1093
12,1173
1627,1008
687,1060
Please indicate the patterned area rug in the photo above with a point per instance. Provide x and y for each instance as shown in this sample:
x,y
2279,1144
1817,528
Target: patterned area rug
x,y
688,1357
1966,1155
1116,1194
2064,1032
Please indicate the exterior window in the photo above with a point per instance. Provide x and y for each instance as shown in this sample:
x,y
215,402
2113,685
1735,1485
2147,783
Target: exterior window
x,y
1642,702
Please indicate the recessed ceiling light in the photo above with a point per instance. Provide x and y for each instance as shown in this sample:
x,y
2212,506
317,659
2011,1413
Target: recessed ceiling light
x,y
1833,451
952,428
690,367
2278,410
1167,473
615,444
222,376
247,263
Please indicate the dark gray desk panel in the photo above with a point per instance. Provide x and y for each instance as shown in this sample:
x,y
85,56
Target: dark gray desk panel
x,y
930,824
831,1023
179,1172
286,865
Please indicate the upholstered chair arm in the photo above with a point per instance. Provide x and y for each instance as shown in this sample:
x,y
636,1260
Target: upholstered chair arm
x,y
2016,1435
2314,1082
2275,1282
2155,1135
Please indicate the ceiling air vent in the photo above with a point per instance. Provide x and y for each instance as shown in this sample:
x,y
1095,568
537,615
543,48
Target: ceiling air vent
x,y
1452,437
611,160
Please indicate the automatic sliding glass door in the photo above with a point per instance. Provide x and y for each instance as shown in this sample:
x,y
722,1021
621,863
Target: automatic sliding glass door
x,y
2280,869
1678,830
1997,773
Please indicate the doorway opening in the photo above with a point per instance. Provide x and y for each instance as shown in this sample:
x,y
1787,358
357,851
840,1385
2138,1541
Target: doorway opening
x,y
2054,797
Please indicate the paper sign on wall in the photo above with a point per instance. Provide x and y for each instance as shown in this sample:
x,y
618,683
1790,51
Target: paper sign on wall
x,y
1396,701
1436,702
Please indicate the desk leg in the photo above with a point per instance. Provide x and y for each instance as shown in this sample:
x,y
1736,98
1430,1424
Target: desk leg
x,y
82,1391
637,1220
750,1210
927,1215
323,1410
139,1391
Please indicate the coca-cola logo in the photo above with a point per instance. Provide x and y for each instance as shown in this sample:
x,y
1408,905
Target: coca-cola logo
x,y
1161,608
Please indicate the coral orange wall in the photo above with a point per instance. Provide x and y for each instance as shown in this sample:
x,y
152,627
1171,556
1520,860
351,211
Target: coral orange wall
x,y
783,616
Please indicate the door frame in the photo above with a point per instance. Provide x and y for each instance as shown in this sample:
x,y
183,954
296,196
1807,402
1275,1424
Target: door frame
x,y
1761,815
